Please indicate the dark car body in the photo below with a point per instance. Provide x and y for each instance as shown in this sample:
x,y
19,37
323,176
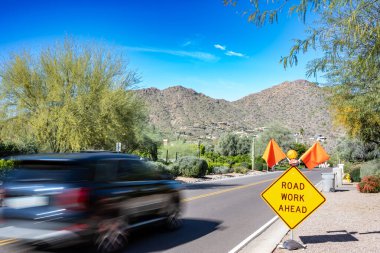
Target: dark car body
x,y
59,199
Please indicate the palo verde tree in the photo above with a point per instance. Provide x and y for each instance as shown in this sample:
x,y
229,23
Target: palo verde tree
x,y
68,98
347,32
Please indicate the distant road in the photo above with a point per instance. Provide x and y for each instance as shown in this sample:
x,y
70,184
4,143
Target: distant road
x,y
218,215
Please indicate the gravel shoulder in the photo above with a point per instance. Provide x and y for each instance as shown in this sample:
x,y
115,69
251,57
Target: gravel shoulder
x,y
349,221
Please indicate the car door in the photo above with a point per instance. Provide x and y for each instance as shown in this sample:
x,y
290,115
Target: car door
x,y
152,194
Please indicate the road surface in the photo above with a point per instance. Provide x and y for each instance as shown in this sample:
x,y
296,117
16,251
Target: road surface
x,y
217,216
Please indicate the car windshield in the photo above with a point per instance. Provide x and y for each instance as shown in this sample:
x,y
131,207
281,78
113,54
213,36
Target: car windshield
x,y
49,171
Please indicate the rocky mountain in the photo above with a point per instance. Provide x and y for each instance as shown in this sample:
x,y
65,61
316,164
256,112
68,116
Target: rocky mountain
x,y
299,105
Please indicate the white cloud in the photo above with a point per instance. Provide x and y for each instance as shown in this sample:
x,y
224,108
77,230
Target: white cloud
x,y
218,46
232,53
203,56
187,43
229,52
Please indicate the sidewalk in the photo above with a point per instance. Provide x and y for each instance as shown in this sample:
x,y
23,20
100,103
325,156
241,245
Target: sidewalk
x,y
349,221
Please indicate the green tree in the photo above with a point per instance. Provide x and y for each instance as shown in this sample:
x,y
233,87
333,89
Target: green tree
x,y
281,135
348,34
68,98
147,145
228,144
299,147
244,145
355,150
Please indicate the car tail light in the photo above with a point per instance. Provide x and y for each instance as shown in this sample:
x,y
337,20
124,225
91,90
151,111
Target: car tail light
x,y
73,199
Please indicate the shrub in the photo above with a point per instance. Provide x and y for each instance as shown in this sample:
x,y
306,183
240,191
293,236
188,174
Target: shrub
x,y
260,166
246,165
10,148
243,164
161,169
5,167
189,166
355,175
221,170
354,170
371,168
212,165
369,184
281,167
240,169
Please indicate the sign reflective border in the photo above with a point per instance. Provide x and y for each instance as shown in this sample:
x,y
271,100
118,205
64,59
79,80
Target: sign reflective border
x,y
293,197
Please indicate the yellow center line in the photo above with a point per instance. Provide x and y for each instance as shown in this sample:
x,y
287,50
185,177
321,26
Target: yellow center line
x,y
224,191
7,241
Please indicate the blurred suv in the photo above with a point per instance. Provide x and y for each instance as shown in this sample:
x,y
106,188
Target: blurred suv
x,y
56,200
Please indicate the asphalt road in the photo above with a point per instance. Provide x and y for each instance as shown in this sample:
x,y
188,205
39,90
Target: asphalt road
x,y
217,216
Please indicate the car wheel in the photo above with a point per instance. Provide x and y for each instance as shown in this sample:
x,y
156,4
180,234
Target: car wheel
x,y
173,220
111,236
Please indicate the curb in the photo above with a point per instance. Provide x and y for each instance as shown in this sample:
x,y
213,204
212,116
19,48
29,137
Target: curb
x,y
254,235
268,240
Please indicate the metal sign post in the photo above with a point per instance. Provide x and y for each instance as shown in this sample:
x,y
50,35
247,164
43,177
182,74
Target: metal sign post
x,y
118,147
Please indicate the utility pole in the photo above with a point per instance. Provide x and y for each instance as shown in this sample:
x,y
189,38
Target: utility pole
x,y
253,152
199,149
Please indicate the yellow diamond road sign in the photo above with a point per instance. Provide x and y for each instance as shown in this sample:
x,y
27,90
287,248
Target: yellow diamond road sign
x,y
293,197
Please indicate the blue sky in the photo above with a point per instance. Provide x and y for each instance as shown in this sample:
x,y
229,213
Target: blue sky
x,y
199,44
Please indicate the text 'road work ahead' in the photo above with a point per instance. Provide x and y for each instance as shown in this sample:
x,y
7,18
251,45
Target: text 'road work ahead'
x,y
293,197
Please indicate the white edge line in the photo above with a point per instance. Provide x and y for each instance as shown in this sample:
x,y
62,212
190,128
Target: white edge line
x,y
254,235
317,185
258,232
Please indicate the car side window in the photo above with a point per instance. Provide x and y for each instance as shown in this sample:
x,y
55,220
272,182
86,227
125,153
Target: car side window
x,y
133,170
106,170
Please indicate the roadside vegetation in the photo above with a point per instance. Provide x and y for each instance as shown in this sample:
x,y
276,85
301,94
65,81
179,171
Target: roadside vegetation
x,y
229,154
72,97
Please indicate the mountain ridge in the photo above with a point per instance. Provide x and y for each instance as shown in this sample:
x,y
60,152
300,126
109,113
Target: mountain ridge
x,y
298,105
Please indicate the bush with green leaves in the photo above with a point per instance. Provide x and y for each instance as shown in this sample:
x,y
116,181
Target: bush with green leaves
x,y
243,164
11,148
355,150
300,148
240,169
212,165
355,174
221,170
158,166
189,166
260,163
5,167
371,168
